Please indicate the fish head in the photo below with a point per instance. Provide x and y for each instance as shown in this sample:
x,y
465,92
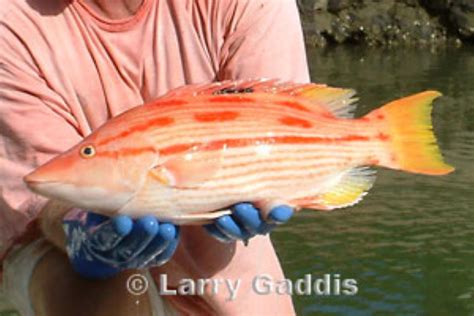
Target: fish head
x,y
95,175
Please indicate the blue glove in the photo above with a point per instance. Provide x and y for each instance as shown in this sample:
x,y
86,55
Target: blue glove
x,y
246,222
100,247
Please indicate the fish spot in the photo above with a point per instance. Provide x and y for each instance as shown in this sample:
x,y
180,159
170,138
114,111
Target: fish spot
x,y
383,137
380,116
294,105
170,102
294,121
157,122
374,161
230,99
328,115
161,121
176,149
223,116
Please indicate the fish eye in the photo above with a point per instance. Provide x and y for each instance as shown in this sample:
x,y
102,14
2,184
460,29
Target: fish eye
x,y
87,151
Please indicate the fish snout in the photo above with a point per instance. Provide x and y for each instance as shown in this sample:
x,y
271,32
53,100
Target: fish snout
x,y
38,178
47,174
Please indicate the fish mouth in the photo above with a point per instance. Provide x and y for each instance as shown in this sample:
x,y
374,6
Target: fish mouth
x,y
43,184
87,197
40,186
32,180
38,182
48,174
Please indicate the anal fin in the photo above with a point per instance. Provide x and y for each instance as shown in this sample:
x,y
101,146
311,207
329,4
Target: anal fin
x,y
199,218
348,191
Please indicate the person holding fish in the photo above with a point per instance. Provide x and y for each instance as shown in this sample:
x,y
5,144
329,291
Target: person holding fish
x,y
66,68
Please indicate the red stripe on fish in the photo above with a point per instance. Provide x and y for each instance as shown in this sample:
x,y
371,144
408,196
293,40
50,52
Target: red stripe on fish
x,y
125,152
294,121
176,149
278,168
172,102
383,137
216,116
236,143
294,105
230,99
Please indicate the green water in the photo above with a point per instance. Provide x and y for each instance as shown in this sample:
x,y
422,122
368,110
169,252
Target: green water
x,y
410,243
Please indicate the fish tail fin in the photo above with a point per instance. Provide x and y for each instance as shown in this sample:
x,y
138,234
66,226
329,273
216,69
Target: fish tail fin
x,y
408,133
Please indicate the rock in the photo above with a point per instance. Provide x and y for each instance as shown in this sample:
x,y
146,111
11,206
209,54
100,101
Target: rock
x,y
338,5
313,5
388,22
464,21
437,5
465,4
411,3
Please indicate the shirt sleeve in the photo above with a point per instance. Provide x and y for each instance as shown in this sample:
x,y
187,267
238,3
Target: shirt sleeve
x,y
35,125
263,38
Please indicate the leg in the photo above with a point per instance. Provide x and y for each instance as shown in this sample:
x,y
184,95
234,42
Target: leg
x,y
55,289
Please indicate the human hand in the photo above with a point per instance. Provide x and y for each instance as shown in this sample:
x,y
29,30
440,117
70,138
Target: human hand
x,y
246,222
100,247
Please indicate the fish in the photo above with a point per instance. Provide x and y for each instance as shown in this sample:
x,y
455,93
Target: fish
x,y
189,155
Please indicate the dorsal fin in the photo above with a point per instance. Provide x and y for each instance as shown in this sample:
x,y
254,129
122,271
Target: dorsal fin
x,y
338,101
341,102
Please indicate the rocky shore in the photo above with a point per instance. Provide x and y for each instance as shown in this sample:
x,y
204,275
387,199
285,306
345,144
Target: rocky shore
x,y
388,22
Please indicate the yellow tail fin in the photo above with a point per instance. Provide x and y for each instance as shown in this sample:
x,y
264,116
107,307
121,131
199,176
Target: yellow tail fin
x,y
412,144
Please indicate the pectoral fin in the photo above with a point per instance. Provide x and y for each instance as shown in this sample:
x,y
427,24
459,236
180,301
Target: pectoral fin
x,y
189,169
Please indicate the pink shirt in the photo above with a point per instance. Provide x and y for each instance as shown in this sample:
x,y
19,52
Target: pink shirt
x,y
64,71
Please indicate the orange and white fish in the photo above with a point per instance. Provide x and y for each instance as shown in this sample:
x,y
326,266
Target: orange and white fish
x,y
202,148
